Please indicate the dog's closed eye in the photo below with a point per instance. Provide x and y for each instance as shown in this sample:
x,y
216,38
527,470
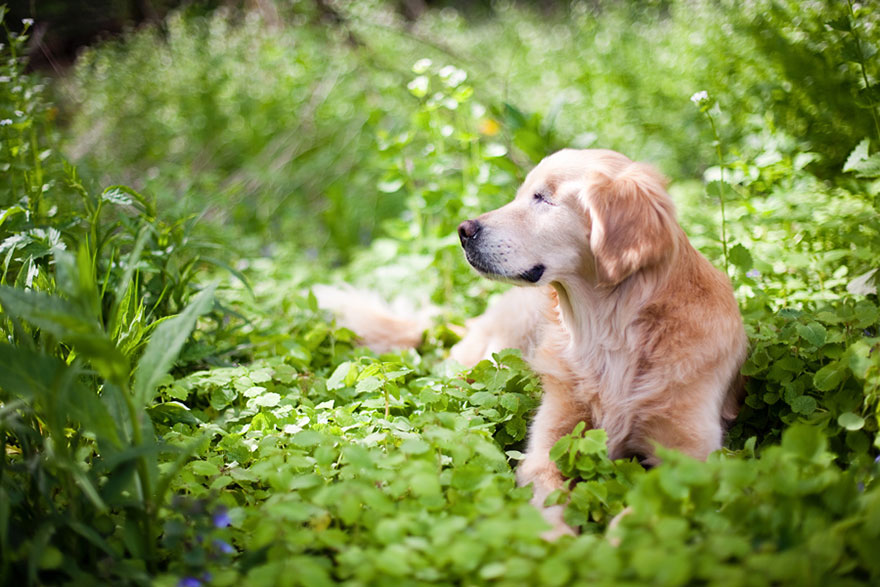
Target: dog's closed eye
x,y
539,197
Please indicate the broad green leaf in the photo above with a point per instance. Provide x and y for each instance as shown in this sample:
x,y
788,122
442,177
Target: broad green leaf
x,y
36,377
862,357
204,468
829,376
867,314
66,322
414,446
267,400
368,385
807,441
814,333
804,405
484,399
850,421
165,344
337,379
494,570
740,257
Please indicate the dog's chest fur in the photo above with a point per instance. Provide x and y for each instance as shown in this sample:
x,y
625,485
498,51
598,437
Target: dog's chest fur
x,y
600,375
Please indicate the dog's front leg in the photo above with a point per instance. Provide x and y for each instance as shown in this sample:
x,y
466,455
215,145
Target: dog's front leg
x,y
556,417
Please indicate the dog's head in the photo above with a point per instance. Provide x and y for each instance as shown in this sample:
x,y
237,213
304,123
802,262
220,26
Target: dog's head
x,y
590,214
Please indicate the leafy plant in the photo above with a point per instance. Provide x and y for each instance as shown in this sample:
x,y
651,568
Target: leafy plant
x,y
156,430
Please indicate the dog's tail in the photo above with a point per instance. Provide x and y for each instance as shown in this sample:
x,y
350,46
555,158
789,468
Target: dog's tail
x,y
379,325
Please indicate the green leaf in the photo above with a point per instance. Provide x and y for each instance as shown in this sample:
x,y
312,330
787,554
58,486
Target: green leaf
x,y
67,323
850,421
51,558
862,357
861,163
740,257
814,333
414,446
10,212
267,400
390,186
36,377
170,413
125,288
840,24
165,344
493,570
368,385
204,468
829,376
804,405
123,195
484,399
866,313
807,441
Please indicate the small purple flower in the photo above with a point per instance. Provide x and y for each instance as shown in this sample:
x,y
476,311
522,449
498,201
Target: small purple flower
x,y
877,460
189,582
753,273
221,518
861,486
223,547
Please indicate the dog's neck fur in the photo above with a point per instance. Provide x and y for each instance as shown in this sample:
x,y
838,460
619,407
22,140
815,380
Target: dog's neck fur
x,y
599,316
602,353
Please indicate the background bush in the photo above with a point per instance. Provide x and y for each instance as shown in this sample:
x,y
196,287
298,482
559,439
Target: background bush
x,y
174,408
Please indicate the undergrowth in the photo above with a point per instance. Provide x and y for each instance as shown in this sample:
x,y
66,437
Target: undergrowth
x,y
176,410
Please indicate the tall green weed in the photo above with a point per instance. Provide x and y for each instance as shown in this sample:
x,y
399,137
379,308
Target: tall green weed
x,y
96,302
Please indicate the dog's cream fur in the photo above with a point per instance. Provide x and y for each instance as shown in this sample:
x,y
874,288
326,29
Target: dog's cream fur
x,y
630,328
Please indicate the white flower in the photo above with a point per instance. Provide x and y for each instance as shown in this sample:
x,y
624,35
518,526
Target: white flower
x,y
700,97
452,75
5,122
419,86
27,22
421,66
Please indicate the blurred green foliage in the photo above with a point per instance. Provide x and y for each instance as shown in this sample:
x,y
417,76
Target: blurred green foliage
x,y
158,430
174,110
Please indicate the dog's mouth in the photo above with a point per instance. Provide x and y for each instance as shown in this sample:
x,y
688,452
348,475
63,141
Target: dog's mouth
x,y
534,274
487,269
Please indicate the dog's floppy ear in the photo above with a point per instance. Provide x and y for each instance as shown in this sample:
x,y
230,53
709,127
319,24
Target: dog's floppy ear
x,y
632,222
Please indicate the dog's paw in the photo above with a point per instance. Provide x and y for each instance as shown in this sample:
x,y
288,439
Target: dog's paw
x,y
611,532
557,532
554,516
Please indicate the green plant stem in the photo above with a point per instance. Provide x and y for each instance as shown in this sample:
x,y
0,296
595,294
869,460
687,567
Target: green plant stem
x,y
720,155
144,481
37,184
863,67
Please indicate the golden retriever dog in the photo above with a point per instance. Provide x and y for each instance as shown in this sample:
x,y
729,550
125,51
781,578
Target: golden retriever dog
x,y
629,327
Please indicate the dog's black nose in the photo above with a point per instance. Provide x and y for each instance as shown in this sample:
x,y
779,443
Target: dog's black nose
x,y
468,230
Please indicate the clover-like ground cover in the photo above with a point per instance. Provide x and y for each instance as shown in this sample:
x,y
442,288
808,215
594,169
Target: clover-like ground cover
x,y
176,410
